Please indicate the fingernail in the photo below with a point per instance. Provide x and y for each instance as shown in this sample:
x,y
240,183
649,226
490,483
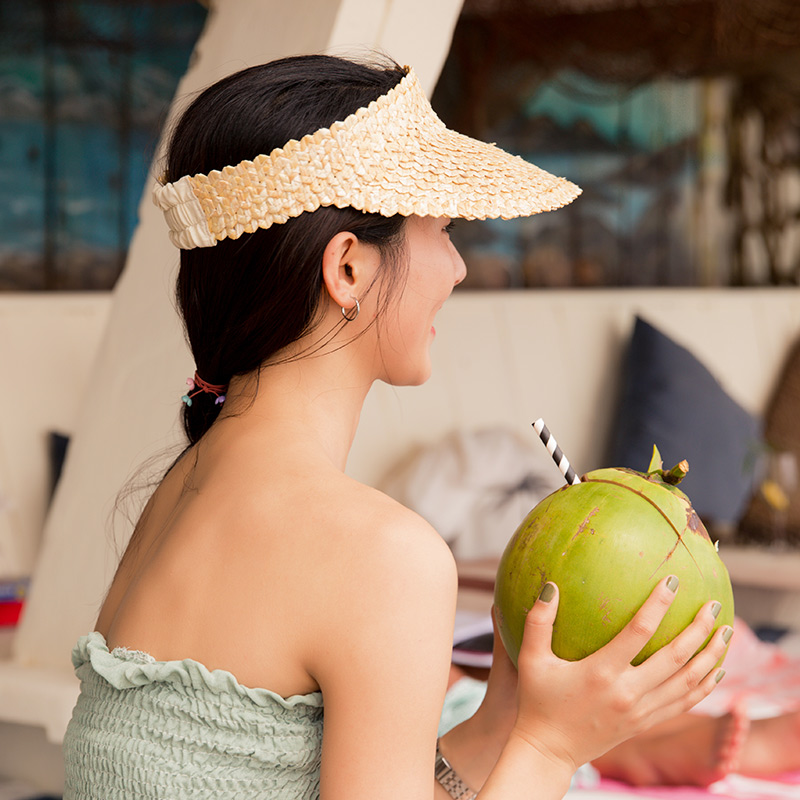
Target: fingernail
x,y
726,635
715,609
547,593
672,583
719,676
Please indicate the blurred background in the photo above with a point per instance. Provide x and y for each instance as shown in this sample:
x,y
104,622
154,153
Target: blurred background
x,y
679,118
84,92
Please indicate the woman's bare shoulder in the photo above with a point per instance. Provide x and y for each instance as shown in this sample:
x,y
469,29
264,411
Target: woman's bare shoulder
x,y
331,507
389,562
383,643
347,539
348,559
380,529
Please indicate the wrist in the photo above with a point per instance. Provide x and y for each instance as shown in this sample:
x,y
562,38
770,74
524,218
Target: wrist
x,y
550,751
523,764
473,749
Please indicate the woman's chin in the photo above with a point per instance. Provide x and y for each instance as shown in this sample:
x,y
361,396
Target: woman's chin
x,y
410,377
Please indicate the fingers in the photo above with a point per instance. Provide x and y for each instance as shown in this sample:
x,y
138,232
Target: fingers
x,y
686,644
695,680
537,639
628,643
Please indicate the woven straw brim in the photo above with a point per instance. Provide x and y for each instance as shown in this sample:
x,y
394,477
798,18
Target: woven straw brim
x,y
393,157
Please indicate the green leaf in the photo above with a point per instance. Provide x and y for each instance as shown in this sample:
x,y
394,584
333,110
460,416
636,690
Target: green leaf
x,y
656,462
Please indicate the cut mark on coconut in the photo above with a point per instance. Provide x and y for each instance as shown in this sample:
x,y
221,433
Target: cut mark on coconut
x,y
656,507
605,608
582,527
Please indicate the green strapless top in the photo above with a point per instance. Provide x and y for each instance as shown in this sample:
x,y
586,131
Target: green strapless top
x,y
173,729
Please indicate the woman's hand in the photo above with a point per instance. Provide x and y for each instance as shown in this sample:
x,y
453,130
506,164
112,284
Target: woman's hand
x,y
576,710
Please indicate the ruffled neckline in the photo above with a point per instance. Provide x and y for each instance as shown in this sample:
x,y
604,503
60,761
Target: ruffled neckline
x,y
128,669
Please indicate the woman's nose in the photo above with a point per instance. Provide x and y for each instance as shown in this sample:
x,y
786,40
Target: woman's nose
x,y
460,268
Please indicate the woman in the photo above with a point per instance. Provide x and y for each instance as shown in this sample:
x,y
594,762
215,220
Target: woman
x,y
308,273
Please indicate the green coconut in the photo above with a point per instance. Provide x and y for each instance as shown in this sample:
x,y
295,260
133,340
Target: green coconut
x,y
606,542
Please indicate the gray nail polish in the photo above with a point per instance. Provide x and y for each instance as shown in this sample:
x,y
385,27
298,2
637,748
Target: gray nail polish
x,y
715,609
547,593
672,583
726,635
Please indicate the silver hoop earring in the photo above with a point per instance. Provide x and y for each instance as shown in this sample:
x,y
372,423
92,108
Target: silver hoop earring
x,y
348,313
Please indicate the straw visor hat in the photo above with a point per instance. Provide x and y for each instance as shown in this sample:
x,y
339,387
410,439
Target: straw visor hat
x,y
395,156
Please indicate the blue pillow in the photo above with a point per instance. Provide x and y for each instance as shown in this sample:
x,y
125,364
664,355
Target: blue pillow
x,y
671,400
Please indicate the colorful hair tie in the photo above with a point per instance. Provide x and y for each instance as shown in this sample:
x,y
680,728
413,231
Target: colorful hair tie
x,y
200,386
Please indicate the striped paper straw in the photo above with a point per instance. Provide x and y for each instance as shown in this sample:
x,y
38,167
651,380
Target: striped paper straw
x,y
570,476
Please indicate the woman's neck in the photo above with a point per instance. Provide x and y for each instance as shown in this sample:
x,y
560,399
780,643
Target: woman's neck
x,y
315,400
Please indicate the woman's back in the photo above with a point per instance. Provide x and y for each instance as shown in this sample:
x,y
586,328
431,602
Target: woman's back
x,y
200,676
235,548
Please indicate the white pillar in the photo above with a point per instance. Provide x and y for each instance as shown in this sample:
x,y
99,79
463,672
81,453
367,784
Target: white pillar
x,y
414,32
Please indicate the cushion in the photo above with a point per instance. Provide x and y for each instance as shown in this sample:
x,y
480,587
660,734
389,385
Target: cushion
x,y
58,453
782,435
670,399
474,487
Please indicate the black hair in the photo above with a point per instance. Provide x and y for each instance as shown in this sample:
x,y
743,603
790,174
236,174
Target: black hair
x,y
243,301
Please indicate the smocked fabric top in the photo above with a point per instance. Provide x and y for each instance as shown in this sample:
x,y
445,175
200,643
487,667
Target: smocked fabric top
x,y
174,729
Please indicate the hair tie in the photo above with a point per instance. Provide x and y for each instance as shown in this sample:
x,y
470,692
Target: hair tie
x,y
201,386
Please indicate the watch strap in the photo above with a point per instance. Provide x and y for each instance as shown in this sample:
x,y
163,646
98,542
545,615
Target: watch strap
x,y
449,780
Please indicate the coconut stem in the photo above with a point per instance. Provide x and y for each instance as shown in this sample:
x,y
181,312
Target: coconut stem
x,y
672,476
676,474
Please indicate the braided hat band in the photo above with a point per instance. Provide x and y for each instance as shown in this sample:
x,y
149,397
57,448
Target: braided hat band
x,y
394,156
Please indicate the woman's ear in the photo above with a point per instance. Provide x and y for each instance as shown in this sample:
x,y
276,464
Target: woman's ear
x,y
348,268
